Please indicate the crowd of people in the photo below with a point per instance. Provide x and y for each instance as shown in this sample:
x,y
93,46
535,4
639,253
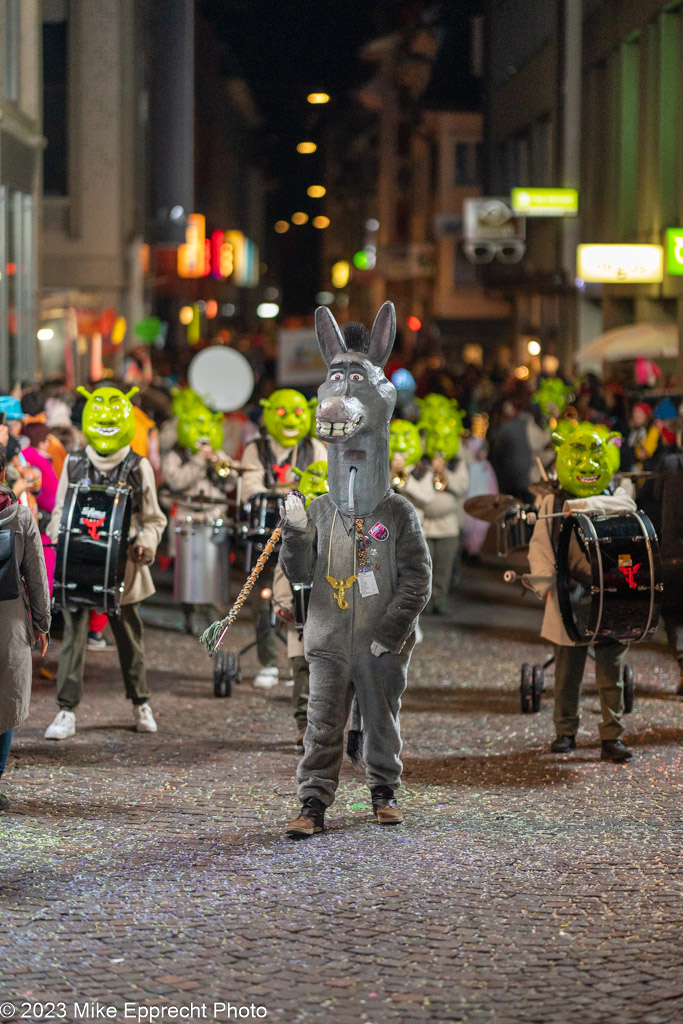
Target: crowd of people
x,y
453,436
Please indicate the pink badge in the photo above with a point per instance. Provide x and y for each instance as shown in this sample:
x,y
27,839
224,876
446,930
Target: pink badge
x,y
379,532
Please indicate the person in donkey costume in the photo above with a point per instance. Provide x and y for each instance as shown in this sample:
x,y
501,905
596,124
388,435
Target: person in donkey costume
x,y
109,425
362,549
587,458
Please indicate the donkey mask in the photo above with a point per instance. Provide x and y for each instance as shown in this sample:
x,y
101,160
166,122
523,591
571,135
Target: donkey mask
x,y
356,403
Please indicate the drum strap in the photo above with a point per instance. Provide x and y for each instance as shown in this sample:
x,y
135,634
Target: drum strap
x,y
304,457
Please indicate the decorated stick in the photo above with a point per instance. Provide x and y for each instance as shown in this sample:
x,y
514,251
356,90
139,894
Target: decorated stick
x,y
212,637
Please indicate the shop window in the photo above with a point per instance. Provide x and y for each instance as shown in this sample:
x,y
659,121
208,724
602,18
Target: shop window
x,y
628,156
468,161
55,108
669,116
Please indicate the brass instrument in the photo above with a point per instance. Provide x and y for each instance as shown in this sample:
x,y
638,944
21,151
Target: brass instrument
x,y
400,478
221,468
440,481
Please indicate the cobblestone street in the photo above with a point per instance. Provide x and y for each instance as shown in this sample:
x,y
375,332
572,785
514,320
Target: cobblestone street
x,y
522,887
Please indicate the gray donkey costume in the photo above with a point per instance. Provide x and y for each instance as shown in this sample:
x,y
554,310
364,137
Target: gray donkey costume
x,y
362,548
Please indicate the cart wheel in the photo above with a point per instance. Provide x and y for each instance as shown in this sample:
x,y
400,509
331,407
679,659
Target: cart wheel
x,y
537,687
525,689
223,674
629,689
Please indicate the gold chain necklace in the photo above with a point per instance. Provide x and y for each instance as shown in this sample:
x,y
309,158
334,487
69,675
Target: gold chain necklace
x,y
341,586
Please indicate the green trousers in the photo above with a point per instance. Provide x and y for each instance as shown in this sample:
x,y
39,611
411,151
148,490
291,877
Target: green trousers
x,y
266,637
444,552
569,666
300,691
127,630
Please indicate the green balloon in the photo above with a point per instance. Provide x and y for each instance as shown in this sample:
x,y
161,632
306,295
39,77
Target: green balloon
x,y
313,481
108,419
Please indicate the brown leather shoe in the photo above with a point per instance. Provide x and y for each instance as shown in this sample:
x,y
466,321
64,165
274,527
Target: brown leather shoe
x,y
311,820
389,815
384,806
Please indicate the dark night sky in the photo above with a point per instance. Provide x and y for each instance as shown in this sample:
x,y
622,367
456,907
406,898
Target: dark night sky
x,y
286,49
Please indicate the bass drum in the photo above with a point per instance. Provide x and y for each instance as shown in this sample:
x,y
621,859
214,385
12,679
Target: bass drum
x,y
202,562
92,548
262,514
609,577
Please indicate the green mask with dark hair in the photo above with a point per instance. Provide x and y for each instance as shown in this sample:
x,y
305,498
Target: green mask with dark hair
x,y
108,420
405,440
586,460
551,396
197,425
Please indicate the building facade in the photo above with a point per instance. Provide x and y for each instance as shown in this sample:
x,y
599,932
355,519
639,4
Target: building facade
x,y
585,94
21,146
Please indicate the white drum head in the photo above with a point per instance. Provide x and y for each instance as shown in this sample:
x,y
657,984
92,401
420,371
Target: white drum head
x,y
222,377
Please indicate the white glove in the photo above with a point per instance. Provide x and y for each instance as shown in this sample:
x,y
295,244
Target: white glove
x,y
378,649
295,512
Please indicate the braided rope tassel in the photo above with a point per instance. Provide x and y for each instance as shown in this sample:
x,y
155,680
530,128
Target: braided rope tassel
x,y
212,637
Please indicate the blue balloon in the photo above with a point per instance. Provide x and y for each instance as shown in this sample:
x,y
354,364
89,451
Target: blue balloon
x,y
403,380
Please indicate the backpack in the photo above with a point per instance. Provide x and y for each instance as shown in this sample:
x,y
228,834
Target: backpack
x,y
10,577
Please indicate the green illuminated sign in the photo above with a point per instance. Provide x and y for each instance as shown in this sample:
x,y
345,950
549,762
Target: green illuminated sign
x,y
545,202
674,251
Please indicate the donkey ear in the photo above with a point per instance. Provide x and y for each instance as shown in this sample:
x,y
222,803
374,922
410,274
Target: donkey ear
x,y
382,335
329,336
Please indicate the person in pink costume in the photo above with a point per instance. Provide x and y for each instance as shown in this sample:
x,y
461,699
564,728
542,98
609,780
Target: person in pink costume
x,y
36,455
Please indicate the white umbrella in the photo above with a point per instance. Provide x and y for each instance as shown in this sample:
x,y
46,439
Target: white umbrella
x,y
653,341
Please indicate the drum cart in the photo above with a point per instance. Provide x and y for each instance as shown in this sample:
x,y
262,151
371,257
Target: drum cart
x,y
532,685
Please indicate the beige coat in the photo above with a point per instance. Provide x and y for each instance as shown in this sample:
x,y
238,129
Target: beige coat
x,y
542,578
439,511
146,527
18,617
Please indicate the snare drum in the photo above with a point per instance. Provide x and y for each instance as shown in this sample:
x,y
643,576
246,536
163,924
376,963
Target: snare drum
x,y
92,548
609,577
513,531
201,572
263,513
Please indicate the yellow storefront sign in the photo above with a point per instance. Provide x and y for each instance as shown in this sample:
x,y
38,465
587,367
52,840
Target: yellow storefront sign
x,y
620,264
545,202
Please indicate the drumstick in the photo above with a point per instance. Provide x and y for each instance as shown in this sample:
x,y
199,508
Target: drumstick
x,y
212,637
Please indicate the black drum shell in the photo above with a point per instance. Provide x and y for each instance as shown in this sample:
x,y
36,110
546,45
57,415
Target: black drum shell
x,y
622,589
91,555
302,596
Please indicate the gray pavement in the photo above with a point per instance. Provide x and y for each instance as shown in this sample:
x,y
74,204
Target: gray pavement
x,y
523,887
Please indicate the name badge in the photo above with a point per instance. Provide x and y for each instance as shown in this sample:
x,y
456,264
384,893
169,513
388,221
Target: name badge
x,y
367,584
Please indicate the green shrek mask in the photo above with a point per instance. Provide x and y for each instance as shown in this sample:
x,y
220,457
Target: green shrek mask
x,y
443,438
108,419
586,460
287,416
405,440
434,407
551,396
197,425
313,481
185,399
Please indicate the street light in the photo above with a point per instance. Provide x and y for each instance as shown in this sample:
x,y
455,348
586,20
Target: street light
x,y
306,147
318,97
281,226
267,310
316,191
321,222
299,217
534,348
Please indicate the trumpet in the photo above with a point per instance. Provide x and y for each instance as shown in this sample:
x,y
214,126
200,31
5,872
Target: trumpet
x,y
400,478
440,481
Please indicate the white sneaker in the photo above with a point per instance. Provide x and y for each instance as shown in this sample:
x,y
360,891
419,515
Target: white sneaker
x,y
144,719
267,678
63,726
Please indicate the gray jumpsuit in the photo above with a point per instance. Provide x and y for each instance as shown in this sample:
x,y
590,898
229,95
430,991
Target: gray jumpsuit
x,y
337,642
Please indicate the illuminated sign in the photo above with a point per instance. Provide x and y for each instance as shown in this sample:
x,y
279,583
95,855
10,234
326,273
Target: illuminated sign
x,y
225,254
674,251
193,256
620,264
545,202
